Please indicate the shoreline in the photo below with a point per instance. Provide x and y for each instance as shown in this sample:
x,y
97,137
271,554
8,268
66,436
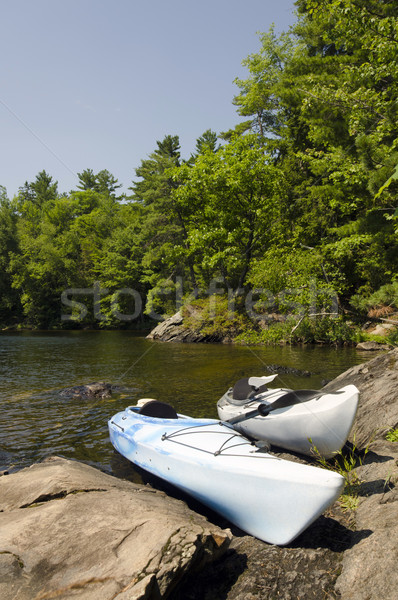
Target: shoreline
x,y
200,323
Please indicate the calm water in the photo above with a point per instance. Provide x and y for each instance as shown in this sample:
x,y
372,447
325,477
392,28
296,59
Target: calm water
x,y
37,422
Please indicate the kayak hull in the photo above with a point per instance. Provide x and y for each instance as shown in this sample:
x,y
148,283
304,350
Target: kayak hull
x,y
321,425
269,498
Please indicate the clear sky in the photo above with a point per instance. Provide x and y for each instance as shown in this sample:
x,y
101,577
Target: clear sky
x,y
94,83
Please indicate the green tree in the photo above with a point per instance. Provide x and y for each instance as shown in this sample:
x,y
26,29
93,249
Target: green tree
x,y
258,97
107,183
328,104
154,185
230,202
60,241
348,81
119,268
207,141
87,180
10,308
164,223
103,182
40,191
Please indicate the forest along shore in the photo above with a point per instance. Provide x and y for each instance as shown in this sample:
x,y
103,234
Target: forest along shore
x,y
298,197
155,545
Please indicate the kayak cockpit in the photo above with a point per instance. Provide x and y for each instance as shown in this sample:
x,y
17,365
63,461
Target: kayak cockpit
x,y
160,410
247,389
155,409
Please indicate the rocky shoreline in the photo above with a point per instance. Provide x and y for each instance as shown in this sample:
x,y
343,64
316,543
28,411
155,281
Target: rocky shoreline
x,y
69,530
174,329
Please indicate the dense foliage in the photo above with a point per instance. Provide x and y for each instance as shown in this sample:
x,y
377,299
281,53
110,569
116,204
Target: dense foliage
x,y
298,201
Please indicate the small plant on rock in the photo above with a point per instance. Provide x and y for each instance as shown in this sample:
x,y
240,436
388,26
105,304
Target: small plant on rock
x,y
392,435
345,463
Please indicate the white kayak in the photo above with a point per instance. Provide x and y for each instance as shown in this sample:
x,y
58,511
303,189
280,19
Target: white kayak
x,y
305,421
267,497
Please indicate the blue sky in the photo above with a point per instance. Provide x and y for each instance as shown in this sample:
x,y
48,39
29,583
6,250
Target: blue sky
x,y
94,83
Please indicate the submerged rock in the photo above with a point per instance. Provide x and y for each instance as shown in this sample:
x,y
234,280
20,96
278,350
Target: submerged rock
x,y
287,370
68,530
98,389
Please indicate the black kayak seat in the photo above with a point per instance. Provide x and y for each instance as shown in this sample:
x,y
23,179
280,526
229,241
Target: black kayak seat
x,y
160,410
244,391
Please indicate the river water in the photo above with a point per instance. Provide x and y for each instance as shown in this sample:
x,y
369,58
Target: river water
x,y
35,366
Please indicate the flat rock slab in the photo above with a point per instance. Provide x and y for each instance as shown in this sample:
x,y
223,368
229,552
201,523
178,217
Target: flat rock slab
x,y
71,531
172,329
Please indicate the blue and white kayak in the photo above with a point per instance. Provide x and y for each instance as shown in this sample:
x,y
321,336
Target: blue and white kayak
x,y
267,497
305,421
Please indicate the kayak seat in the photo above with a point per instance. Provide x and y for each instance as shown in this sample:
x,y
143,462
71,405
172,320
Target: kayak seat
x,y
243,391
157,409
